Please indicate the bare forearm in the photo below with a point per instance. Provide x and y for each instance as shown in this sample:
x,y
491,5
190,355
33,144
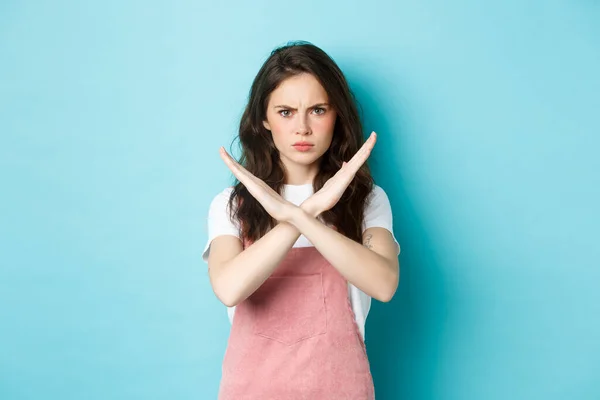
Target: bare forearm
x,y
241,276
364,268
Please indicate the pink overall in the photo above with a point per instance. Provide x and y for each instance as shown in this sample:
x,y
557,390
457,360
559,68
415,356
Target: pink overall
x,y
296,338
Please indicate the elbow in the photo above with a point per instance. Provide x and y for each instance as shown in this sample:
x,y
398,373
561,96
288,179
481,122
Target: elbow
x,y
389,289
386,296
229,303
224,292
226,296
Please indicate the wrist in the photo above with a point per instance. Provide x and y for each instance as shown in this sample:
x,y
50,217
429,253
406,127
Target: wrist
x,y
299,215
309,210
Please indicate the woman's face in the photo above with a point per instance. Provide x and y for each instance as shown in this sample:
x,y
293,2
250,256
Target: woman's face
x,y
299,112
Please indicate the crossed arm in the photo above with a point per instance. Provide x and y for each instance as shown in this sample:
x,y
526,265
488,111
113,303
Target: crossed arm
x,y
372,267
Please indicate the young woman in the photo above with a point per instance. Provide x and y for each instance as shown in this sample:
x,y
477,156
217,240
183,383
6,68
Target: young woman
x,y
284,250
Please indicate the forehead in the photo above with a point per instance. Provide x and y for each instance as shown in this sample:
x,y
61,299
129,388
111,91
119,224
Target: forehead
x,y
302,88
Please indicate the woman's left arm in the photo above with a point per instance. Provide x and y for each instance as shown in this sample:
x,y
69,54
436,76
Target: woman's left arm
x,y
372,267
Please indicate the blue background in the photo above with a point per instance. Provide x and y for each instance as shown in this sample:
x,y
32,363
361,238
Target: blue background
x,y
111,116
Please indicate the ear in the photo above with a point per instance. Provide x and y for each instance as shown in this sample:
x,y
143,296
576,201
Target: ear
x,y
266,125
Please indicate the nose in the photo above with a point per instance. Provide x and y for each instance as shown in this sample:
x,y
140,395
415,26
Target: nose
x,y
303,127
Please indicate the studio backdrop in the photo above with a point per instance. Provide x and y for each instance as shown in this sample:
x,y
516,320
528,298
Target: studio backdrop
x,y
111,117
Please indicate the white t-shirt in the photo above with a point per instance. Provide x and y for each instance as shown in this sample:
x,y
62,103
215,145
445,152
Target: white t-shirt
x,y
378,213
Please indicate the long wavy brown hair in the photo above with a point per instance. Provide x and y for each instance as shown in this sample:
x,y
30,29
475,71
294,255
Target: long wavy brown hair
x,y
260,156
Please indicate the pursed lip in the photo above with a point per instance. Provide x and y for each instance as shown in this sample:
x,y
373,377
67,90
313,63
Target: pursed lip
x,y
302,144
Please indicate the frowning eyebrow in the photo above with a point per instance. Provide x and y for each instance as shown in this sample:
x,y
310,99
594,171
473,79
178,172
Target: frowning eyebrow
x,y
310,108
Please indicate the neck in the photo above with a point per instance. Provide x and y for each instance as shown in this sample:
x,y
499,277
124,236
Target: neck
x,y
300,174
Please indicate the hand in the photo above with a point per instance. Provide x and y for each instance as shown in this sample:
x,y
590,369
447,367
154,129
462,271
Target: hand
x,y
334,188
279,208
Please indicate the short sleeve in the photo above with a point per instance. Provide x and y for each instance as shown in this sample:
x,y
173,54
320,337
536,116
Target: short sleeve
x,y
378,213
218,221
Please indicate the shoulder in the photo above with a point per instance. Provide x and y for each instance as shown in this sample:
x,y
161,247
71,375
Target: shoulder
x,y
378,210
224,193
377,196
377,190
378,213
219,205
222,197
219,220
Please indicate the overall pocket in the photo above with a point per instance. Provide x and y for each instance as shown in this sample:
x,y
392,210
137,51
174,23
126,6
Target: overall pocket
x,y
290,308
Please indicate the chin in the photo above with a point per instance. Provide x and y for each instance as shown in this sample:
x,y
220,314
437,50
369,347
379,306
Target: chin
x,y
303,158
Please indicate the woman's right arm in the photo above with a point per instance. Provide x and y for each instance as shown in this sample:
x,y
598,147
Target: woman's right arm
x,y
236,273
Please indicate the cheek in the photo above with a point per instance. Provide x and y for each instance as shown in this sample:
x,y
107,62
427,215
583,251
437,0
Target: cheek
x,y
278,130
278,125
324,127
324,124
